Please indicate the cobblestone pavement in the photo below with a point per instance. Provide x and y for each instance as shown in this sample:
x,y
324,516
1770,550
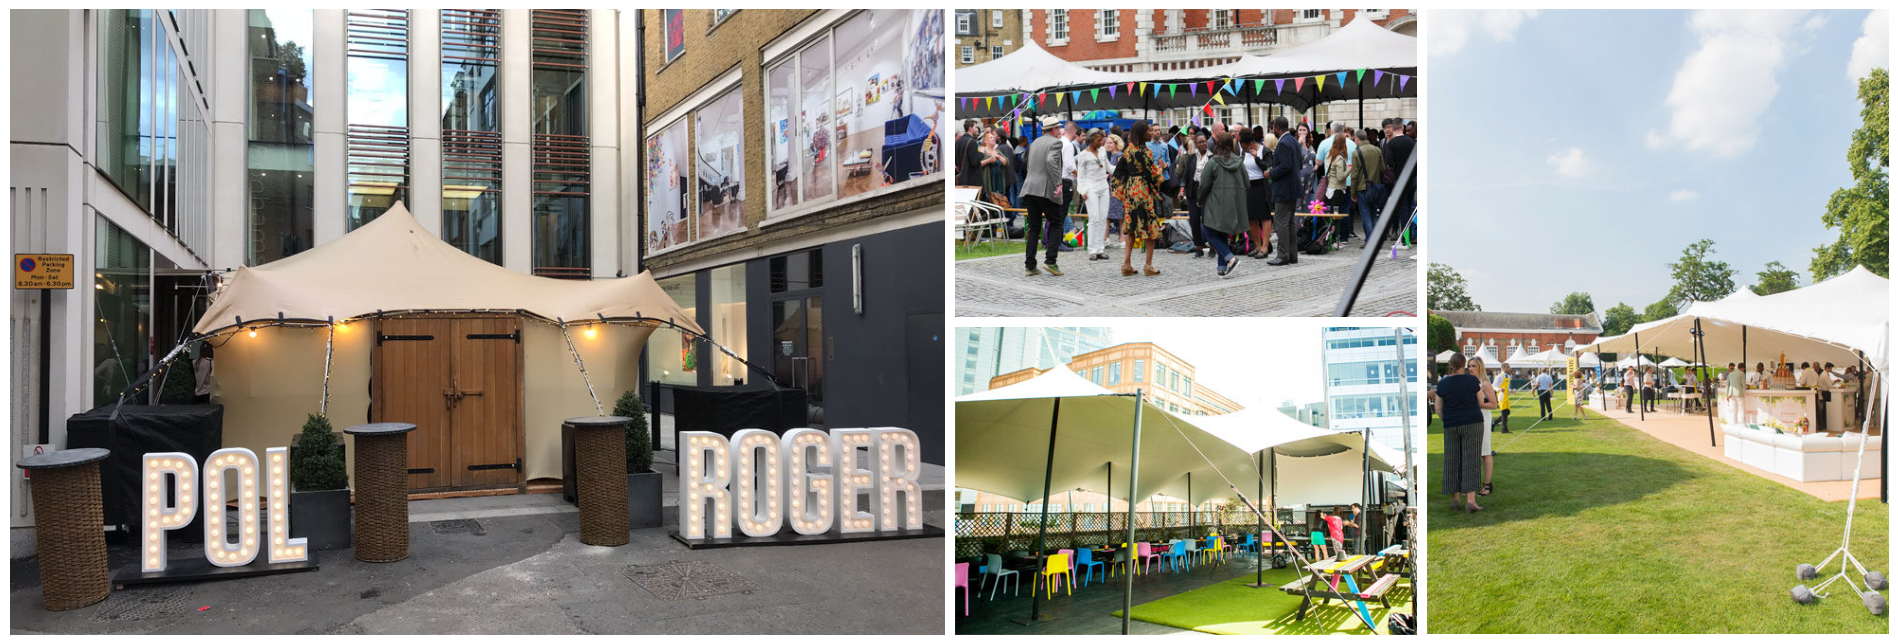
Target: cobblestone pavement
x,y
1186,286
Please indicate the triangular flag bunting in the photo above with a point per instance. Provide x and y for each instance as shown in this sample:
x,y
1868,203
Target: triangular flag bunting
x,y
1172,89
1401,81
1110,91
1096,94
1278,85
1377,76
1229,88
1057,99
1221,99
1193,88
1143,87
1258,86
1321,82
1208,108
1130,88
1209,87
1341,80
1298,84
1360,76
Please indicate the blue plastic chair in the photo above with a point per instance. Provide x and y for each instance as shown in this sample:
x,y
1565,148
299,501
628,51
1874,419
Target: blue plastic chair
x,y
1176,558
1084,561
1250,545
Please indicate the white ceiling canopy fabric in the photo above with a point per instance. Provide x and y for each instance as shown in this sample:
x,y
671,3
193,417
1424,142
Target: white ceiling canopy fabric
x,y
1002,441
394,265
1029,68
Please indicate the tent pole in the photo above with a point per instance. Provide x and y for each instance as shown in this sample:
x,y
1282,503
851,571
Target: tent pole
x,y
1700,341
1641,393
329,347
1364,488
1192,511
1133,483
1109,492
1403,415
583,369
1041,533
1258,553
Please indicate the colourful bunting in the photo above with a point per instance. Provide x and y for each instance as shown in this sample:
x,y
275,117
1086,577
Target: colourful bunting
x,y
1341,80
1110,91
1209,87
1143,87
1258,86
1279,84
1401,81
1321,82
1057,99
1171,89
1377,76
1193,88
1076,99
1208,108
1360,76
1298,84
1221,99
1097,94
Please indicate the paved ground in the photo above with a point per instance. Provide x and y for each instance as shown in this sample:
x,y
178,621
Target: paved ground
x,y
1187,286
514,564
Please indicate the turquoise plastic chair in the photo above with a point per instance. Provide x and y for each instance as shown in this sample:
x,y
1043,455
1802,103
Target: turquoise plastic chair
x,y
1251,545
1085,562
1176,557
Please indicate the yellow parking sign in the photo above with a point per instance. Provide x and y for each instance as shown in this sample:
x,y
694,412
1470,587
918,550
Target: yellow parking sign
x,y
42,271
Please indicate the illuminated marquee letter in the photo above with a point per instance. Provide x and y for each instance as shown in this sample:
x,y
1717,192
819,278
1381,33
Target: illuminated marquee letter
x,y
217,545
283,547
852,477
899,464
182,470
700,482
759,512
810,492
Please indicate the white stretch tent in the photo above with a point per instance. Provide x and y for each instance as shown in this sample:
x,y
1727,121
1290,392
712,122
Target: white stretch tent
x,y
1588,360
1002,447
1520,358
1832,320
1029,68
1630,361
393,264
1444,357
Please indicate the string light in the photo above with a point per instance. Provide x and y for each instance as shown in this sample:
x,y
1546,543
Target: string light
x,y
808,447
159,467
283,548
217,546
852,478
701,485
900,480
759,512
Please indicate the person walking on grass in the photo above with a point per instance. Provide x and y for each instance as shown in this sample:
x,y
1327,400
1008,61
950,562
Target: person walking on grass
x,y
1222,193
1501,383
1041,194
1458,399
1489,397
1545,393
1137,184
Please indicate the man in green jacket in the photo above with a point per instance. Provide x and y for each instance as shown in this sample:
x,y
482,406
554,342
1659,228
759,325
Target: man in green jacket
x,y
1367,185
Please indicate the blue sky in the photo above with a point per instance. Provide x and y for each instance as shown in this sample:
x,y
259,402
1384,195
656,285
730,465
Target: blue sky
x,y
1582,150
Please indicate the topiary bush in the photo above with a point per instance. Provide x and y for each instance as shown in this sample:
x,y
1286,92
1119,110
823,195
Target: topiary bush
x,y
180,384
638,433
317,464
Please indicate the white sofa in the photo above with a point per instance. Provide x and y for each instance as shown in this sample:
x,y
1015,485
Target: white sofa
x,y
1817,457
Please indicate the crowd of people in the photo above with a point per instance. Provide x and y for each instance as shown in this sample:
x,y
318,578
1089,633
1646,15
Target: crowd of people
x,y
1224,191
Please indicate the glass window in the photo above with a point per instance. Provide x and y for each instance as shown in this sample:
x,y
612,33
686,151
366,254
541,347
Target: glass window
x,y
282,154
719,15
1159,375
1140,370
1095,375
719,128
1222,18
668,210
377,109
797,271
995,18
1110,23
870,93
1058,24
779,88
122,294
728,325
968,54
1187,384
126,42
562,155
815,128
1113,373
962,24
995,52
673,359
471,131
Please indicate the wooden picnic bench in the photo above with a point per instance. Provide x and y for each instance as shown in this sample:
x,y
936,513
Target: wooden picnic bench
x,y
1330,574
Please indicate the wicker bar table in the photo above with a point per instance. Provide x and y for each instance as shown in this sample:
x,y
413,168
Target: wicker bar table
x,y
599,445
382,491
70,526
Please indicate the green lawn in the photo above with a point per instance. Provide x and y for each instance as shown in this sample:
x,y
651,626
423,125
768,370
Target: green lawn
x,y
986,249
1232,608
1595,527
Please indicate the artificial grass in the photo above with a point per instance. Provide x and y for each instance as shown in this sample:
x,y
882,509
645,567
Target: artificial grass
x,y
986,249
1232,608
1595,527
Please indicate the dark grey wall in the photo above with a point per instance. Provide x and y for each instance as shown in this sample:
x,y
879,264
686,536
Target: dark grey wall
x,y
869,372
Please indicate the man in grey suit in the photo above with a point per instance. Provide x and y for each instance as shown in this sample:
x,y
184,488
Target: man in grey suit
x,y
1041,195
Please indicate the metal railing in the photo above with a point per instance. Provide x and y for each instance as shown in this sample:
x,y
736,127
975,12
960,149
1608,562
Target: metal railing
x,y
981,533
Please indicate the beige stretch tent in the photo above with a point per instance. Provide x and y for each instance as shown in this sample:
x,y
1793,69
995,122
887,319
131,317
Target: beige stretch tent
x,y
269,382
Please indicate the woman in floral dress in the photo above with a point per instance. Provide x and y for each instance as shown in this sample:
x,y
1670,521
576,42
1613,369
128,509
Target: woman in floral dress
x,y
1137,185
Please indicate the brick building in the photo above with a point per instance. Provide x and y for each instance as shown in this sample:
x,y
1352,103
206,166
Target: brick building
x,y
1534,331
773,209
1147,40
1166,379
985,34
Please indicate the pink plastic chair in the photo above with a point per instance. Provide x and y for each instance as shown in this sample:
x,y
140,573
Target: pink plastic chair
x,y
1146,556
1070,553
962,581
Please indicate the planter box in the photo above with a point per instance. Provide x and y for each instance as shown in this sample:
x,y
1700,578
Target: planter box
x,y
322,517
645,496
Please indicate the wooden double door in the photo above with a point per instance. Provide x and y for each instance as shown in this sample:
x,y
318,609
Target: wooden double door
x,y
459,381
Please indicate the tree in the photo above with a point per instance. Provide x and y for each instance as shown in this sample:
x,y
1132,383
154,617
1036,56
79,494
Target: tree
x,y
1448,290
1441,336
1862,211
1659,310
1574,303
1618,319
1696,278
1775,279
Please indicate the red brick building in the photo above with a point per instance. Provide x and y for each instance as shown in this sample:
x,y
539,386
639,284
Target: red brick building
x,y
1534,331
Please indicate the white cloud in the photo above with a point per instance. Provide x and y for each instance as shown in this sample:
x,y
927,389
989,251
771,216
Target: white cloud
x,y
1572,162
1450,30
1873,49
1683,195
1728,82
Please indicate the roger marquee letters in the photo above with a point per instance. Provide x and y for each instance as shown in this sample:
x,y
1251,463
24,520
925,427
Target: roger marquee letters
x,y
815,481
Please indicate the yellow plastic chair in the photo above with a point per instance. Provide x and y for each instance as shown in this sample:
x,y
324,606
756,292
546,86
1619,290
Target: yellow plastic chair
x,y
1056,568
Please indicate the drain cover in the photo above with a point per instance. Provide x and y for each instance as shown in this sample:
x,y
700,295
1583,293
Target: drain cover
x,y
457,526
144,604
694,580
